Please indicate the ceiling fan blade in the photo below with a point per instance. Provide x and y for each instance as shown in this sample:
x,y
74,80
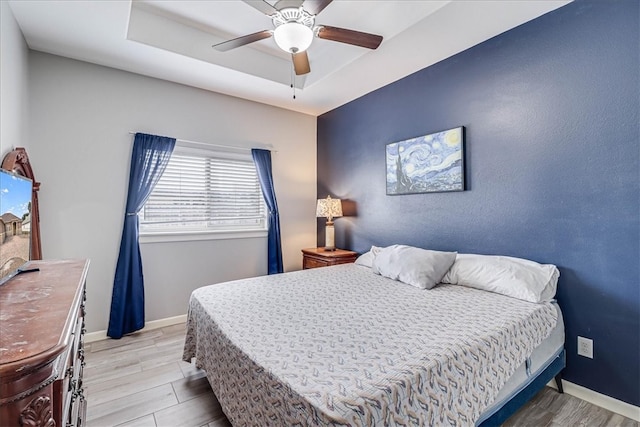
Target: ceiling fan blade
x,y
301,63
314,7
241,41
262,6
357,38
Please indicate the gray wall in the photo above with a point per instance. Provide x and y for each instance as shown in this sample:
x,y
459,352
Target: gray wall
x,y
79,117
13,83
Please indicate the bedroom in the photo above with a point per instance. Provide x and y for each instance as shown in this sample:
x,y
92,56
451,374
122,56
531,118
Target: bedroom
x,y
73,118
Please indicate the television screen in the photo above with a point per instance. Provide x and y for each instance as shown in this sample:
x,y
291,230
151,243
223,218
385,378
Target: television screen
x,y
15,223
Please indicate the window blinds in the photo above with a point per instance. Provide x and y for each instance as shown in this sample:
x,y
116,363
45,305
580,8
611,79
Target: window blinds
x,y
204,193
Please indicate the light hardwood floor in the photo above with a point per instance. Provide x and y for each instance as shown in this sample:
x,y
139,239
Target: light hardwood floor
x,y
140,380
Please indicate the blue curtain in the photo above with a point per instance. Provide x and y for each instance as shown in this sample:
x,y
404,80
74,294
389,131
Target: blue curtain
x,y
148,160
262,160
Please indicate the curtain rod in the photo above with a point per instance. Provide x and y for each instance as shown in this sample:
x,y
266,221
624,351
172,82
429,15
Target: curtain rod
x,y
213,145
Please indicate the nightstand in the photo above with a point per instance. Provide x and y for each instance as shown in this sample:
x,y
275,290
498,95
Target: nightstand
x,y
318,257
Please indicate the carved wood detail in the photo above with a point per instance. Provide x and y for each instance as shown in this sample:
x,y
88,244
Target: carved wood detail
x,y
38,413
18,162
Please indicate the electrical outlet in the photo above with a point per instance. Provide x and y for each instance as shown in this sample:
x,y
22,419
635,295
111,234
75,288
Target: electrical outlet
x,y
585,347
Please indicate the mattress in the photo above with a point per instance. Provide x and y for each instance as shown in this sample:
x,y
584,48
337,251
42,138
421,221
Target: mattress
x,y
343,346
541,357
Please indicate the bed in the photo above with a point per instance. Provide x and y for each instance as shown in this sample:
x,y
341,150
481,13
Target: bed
x,y
343,345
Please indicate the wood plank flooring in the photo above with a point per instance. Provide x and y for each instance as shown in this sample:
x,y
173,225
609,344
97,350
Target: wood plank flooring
x,y
140,380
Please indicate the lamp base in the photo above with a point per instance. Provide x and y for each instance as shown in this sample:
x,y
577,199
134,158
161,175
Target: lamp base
x,y
329,237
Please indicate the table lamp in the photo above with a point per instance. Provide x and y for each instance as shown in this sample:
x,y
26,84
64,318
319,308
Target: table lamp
x,y
329,208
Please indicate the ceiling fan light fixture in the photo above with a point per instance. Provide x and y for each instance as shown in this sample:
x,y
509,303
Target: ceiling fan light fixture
x,y
293,37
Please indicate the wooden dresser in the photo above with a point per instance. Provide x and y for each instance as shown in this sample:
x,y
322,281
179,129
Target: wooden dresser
x,y
319,257
41,346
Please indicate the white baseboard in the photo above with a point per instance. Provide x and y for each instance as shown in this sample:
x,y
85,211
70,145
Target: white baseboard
x,y
614,405
153,324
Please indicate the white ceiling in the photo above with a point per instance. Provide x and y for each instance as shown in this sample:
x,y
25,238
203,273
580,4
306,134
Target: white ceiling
x,y
172,40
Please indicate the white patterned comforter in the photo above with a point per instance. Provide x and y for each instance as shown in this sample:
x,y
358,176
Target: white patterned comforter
x,y
343,346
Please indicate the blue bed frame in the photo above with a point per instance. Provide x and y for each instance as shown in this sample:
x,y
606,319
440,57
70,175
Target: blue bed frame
x,y
511,406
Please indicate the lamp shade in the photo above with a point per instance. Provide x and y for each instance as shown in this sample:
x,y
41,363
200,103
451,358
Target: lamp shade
x,y
329,208
293,37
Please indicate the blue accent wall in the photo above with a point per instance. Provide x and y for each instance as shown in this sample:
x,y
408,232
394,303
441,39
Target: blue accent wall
x,y
552,169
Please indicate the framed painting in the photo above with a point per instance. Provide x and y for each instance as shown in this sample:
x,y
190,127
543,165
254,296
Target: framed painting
x,y
426,164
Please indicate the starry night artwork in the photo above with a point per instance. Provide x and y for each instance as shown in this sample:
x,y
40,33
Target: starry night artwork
x,y
426,164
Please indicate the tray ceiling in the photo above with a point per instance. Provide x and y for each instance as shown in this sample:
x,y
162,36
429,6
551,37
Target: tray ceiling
x,y
172,40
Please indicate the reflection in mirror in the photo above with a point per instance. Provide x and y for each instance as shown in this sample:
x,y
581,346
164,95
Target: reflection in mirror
x,y
17,161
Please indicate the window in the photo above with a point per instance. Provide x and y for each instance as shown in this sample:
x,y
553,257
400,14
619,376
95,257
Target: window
x,y
205,191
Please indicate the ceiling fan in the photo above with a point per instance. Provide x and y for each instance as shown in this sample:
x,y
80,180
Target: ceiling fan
x,y
294,29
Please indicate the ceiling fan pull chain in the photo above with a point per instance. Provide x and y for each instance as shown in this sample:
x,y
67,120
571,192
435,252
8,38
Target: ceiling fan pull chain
x,y
293,80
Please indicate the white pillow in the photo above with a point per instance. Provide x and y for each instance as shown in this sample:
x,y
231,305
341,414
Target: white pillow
x,y
366,259
417,267
514,277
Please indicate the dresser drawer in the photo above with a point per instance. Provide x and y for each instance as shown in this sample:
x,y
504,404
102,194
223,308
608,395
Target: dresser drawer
x,y
308,262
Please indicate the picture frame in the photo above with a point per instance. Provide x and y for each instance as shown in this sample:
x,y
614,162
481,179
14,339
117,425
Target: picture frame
x,y
431,163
